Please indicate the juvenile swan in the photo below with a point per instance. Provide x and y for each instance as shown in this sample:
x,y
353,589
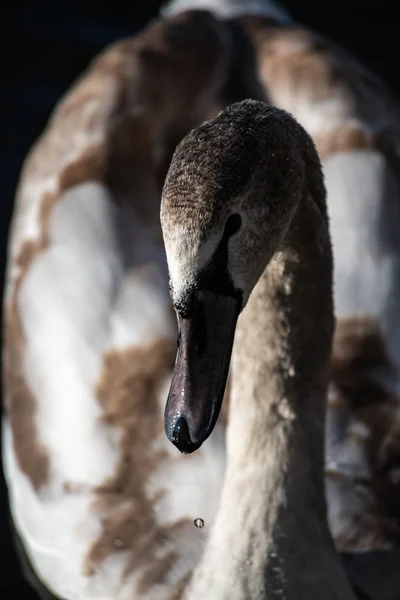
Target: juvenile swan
x,y
245,228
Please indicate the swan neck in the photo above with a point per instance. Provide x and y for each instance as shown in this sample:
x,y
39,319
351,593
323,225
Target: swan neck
x,y
280,369
272,524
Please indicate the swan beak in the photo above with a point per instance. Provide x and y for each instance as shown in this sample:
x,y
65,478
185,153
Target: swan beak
x,y
198,383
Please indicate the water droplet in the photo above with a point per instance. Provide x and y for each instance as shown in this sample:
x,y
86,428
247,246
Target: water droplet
x,y
199,523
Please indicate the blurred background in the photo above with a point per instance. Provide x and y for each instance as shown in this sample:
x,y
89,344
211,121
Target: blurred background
x,y
45,45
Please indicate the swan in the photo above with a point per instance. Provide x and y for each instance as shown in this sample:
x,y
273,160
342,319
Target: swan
x,y
246,233
104,505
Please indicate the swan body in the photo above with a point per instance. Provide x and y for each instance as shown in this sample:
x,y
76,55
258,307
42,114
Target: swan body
x,y
103,503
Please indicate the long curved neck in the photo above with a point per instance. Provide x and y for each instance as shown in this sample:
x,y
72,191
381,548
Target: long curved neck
x,y
271,539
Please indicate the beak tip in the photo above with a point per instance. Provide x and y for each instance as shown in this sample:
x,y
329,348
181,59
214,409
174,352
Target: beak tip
x,y
181,437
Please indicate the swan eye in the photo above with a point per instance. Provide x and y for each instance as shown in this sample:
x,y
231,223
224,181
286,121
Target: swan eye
x,y
233,225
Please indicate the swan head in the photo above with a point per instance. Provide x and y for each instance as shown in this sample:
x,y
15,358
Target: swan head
x,y
228,199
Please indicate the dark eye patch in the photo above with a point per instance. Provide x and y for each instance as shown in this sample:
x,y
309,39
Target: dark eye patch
x,y
232,225
215,275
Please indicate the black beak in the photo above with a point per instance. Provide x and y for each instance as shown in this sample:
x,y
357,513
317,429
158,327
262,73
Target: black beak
x,y
201,369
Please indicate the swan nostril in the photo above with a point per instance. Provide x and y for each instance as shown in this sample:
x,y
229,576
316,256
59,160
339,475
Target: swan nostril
x,y
181,437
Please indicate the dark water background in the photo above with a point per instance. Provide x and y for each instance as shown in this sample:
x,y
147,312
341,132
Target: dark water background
x,y
45,44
